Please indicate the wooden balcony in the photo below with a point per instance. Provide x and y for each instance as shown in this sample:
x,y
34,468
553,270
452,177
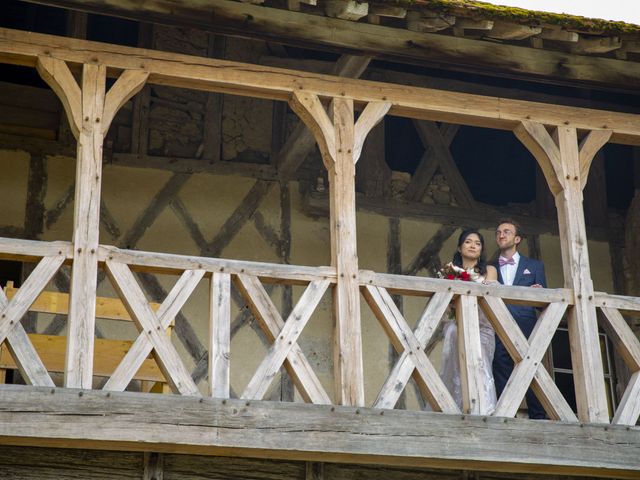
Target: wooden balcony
x,y
210,422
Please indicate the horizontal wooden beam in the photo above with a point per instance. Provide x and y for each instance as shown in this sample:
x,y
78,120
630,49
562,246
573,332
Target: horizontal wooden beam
x,y
484,216
397,44
173,263
199,73
53,417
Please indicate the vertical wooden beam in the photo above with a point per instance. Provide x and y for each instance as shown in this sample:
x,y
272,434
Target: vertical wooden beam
x,y
565,165
90,110
340,140
153,466
220,335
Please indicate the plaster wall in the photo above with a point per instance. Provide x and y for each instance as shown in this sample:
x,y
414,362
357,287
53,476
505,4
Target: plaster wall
x,y
188,221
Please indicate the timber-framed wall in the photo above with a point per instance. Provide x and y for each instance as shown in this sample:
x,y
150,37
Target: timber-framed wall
x,y
564,141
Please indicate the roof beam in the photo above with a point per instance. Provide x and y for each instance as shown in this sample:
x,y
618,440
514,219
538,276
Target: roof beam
x,y
399,44
186,71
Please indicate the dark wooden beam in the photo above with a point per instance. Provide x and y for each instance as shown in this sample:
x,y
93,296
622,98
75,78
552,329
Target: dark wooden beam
x,y
483,216
398,44
127,421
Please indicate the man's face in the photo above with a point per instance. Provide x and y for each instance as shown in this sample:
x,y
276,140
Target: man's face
x,y
506,237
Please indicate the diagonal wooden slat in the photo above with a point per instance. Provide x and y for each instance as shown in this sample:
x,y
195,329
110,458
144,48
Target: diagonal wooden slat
x,y
589,146
427,324
369,118
472,377
14,310
267,314
308,107
145,318
285,340
141,347
128,84
525,369
628,346
517,345
404,340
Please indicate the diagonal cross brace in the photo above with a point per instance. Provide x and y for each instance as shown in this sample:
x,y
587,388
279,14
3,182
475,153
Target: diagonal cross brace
x,y
142,347
410,348
149,325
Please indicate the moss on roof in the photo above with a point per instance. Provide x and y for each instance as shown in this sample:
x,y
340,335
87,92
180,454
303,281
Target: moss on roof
x,y
483,10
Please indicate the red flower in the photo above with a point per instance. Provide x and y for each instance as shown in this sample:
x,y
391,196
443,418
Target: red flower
x,y
465,276
451,277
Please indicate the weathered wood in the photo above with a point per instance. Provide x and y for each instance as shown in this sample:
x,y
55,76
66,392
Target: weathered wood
x,y
220,335
165,314
425,286
428,165
149,325
283,343
297,365
472,377
217,75
560,160
411,349
172,263
589,146
628,346
527,359
125,421
315,32
432,137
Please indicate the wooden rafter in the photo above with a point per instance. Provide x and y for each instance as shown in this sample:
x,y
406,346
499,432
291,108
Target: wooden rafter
x,y
265,82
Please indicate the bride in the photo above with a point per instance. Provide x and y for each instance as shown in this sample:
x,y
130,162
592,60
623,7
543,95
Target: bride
x,y
470,264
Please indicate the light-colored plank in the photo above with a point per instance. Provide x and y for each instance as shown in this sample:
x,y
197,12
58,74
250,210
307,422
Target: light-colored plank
x,y
628,410
526,367
517,345
403,284
220,335
266,82
32,250
472,377
308,107
589,146
165,353
86,229
107,355
142,347
25,358
372,114
405,341
171,263
57,74
285,340
13,311
297,365
128,84
535,137
404,367
628,347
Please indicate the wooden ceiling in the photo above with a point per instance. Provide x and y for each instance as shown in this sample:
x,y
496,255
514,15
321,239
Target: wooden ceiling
x,y
466,38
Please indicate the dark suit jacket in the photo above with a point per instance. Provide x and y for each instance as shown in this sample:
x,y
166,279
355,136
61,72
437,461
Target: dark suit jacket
x,y
529,273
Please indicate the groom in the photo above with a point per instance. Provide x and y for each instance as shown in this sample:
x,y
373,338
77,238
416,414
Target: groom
x,y
516,269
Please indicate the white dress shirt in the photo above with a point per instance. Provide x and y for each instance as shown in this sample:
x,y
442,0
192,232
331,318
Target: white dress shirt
x,y
508,271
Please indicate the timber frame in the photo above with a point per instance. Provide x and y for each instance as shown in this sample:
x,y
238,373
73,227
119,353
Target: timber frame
x,y
564,141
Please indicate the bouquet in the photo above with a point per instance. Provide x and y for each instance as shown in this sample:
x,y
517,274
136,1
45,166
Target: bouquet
x,y
453,272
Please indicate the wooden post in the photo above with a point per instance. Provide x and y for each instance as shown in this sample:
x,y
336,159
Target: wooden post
x,y
340,140
565,164
90,111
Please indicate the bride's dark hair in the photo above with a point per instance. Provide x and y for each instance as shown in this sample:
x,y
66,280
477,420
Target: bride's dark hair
x,y
481,265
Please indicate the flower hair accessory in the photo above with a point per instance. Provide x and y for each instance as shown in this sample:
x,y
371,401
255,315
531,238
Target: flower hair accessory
x,y
453,272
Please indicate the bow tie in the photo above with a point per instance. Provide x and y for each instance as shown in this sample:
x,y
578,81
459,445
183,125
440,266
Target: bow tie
x,y
506,261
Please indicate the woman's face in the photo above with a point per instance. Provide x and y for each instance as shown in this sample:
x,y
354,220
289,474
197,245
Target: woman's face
x,y
471,247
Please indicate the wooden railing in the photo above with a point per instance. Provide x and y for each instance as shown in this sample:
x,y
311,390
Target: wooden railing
x,y
283,334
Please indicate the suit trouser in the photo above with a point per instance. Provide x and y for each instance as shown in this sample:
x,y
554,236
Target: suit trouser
x,y
503,366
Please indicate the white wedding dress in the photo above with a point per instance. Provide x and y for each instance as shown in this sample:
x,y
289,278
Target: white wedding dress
x,y
450,367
